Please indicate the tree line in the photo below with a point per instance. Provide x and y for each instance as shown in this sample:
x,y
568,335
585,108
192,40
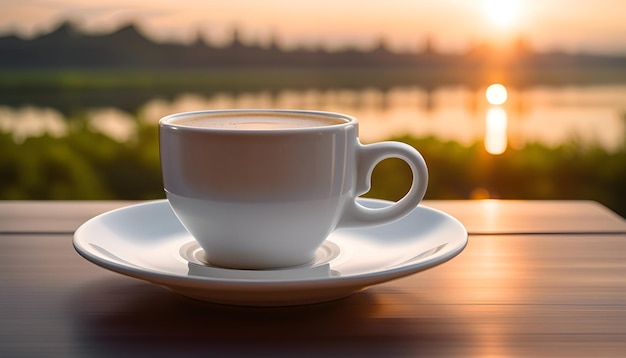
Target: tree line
x,y
126,47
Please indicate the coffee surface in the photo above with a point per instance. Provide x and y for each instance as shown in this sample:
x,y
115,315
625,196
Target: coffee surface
x,y
257,121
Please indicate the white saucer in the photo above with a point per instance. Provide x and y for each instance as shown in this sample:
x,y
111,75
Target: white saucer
x,y
148,242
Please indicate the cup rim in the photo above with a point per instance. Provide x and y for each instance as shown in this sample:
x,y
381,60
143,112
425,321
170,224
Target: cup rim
x,y
167,120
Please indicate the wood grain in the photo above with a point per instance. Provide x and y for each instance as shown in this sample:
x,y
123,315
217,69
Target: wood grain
x,y
558,295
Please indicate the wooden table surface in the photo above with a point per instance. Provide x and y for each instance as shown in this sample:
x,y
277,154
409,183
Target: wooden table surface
x,y
537,279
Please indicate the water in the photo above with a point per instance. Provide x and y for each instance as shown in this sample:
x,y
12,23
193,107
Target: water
x,y
589,115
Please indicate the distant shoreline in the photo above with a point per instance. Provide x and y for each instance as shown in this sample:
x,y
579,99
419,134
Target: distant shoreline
x,y
15,81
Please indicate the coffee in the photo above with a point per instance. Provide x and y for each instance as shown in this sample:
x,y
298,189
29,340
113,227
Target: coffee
x,y
257,121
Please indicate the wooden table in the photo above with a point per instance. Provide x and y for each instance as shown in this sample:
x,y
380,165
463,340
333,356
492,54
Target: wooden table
x,y
537,279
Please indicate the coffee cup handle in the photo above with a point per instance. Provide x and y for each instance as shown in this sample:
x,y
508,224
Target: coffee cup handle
x,y
368,156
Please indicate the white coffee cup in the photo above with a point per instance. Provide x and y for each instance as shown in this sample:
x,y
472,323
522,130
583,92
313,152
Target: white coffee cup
x,y
261,189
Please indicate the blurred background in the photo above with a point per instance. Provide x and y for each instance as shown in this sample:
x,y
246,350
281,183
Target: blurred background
x,y
506,99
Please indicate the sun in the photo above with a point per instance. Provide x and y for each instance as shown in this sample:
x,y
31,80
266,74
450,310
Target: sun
x,y
501,12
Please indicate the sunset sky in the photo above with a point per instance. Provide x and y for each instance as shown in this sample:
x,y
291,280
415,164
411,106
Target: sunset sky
x,y
586,25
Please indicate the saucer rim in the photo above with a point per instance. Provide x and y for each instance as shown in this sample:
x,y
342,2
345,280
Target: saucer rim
x,y
359,280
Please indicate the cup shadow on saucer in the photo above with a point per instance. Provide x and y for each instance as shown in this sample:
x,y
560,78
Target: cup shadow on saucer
x,y
113,317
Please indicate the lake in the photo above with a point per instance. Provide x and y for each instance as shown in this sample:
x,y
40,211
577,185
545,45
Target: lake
x,y
543,142
590,115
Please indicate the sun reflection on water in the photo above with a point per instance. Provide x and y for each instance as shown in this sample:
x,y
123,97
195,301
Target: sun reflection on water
x,y
496,94
496,140
496,120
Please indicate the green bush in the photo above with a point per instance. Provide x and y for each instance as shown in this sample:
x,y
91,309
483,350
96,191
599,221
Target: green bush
x,y
86,164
